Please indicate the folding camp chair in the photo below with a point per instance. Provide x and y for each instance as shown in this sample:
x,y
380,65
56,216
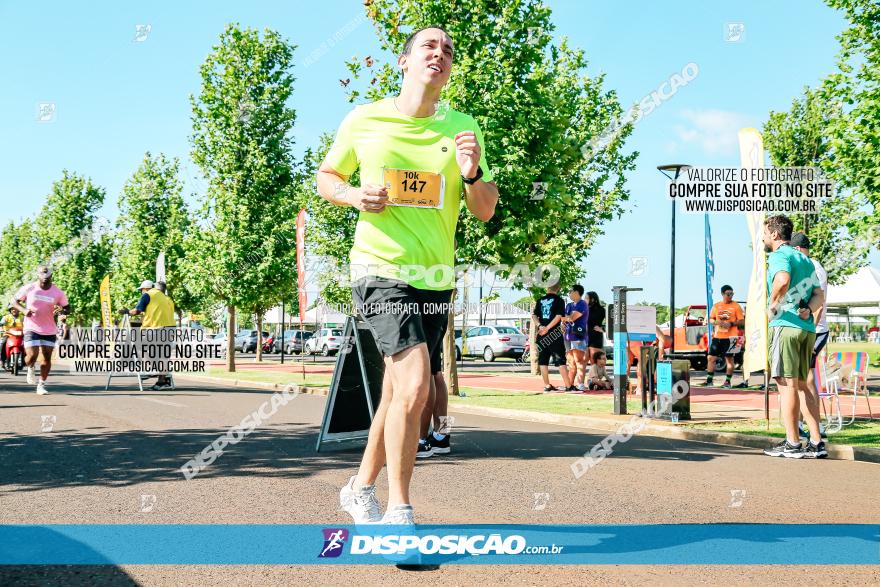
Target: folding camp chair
x,y
858,380
834,417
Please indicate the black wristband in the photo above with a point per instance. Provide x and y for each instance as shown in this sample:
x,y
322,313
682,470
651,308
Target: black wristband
x,y
474,179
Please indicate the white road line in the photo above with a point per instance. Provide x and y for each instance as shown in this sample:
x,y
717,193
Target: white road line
x,y
159,401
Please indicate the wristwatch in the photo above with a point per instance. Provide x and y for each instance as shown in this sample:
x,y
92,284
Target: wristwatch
x,y
474,179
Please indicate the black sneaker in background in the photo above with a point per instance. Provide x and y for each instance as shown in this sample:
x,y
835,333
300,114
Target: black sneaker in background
x,y
785,449
425,449
441,447
815,451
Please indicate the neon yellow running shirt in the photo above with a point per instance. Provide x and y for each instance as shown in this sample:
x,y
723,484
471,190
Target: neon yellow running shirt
x,y
398,241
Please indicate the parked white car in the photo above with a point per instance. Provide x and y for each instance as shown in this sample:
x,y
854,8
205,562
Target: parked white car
x,y
493,341
326,341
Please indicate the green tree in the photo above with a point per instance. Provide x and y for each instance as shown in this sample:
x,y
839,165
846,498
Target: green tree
x,y
799,138
854,132
152,218
241,141
11,267
72,240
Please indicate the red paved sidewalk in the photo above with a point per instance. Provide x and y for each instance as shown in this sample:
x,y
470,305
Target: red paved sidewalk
x,y
725,403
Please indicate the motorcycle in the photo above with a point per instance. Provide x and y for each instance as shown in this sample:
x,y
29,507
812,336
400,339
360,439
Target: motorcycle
x,y
14,350
269,344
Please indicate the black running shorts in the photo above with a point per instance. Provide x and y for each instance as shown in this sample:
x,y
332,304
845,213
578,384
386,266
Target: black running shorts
x,y
401,316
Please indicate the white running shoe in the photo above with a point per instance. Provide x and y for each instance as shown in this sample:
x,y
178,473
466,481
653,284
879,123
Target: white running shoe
x,y
30,376
399,515
41,389
361,503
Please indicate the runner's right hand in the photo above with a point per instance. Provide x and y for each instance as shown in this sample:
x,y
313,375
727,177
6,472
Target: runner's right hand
x,y
368,198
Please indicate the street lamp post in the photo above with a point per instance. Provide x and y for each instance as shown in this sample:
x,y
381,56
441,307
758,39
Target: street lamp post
x,y
672,171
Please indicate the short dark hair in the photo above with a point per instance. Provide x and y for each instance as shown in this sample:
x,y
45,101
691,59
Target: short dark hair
x,y
578,288
726,288
598,355
407,45
780,224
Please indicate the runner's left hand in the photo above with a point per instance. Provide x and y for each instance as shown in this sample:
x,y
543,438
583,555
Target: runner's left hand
x,y
804,313
467,153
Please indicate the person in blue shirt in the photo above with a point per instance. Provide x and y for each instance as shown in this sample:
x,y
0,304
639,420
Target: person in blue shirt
x,y
795,300
576,318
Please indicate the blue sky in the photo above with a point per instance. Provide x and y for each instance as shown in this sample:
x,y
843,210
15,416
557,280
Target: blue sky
x,y
116,98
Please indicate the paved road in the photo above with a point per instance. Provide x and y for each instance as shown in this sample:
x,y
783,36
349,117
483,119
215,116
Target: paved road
x,y
108,449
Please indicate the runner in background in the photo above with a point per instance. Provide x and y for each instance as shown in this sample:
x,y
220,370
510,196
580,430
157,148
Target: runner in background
x,y
40,302
727,317
12,320
435,412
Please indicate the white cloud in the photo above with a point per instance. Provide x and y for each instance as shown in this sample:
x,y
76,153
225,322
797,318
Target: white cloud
x,y
713,130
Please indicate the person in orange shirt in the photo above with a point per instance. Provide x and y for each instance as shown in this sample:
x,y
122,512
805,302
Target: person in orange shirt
x,y
726,317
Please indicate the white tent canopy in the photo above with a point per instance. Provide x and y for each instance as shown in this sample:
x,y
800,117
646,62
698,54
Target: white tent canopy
x,y
861,289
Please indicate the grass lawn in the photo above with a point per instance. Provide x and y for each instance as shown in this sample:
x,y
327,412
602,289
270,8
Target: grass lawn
x,y
553,403
856,434
873,351
311,380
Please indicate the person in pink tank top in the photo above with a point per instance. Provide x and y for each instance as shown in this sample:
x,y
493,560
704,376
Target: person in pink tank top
x,y
40,302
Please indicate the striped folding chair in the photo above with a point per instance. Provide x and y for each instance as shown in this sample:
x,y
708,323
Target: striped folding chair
x,y
858,382
834,417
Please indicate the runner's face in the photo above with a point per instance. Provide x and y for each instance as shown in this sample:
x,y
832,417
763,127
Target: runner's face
x,y
45,282
768,240
728,295
430,59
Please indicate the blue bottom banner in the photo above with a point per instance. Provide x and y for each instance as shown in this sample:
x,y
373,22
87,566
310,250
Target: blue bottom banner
x,y
704,544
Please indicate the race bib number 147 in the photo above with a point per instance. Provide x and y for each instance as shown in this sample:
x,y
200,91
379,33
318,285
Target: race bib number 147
x,y
417,189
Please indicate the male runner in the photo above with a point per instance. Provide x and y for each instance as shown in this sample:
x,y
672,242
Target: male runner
x,y
414,161
40,302
795,299
801,243
727,317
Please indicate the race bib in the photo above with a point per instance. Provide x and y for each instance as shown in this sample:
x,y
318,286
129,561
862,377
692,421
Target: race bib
x,y
415,189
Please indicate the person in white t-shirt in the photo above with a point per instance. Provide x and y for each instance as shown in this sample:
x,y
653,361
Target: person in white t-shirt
x,y
801,242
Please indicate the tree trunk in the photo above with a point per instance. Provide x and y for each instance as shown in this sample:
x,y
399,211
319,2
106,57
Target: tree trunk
x,y
230,339
450,370
533,347
258,320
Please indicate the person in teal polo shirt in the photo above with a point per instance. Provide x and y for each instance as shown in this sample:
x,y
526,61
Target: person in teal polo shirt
x,y
795,299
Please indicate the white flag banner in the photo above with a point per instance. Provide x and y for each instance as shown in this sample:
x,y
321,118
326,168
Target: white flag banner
x,y
751,152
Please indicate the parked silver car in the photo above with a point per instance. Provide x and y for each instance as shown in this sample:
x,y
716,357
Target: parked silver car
x,y
326,341
493,341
